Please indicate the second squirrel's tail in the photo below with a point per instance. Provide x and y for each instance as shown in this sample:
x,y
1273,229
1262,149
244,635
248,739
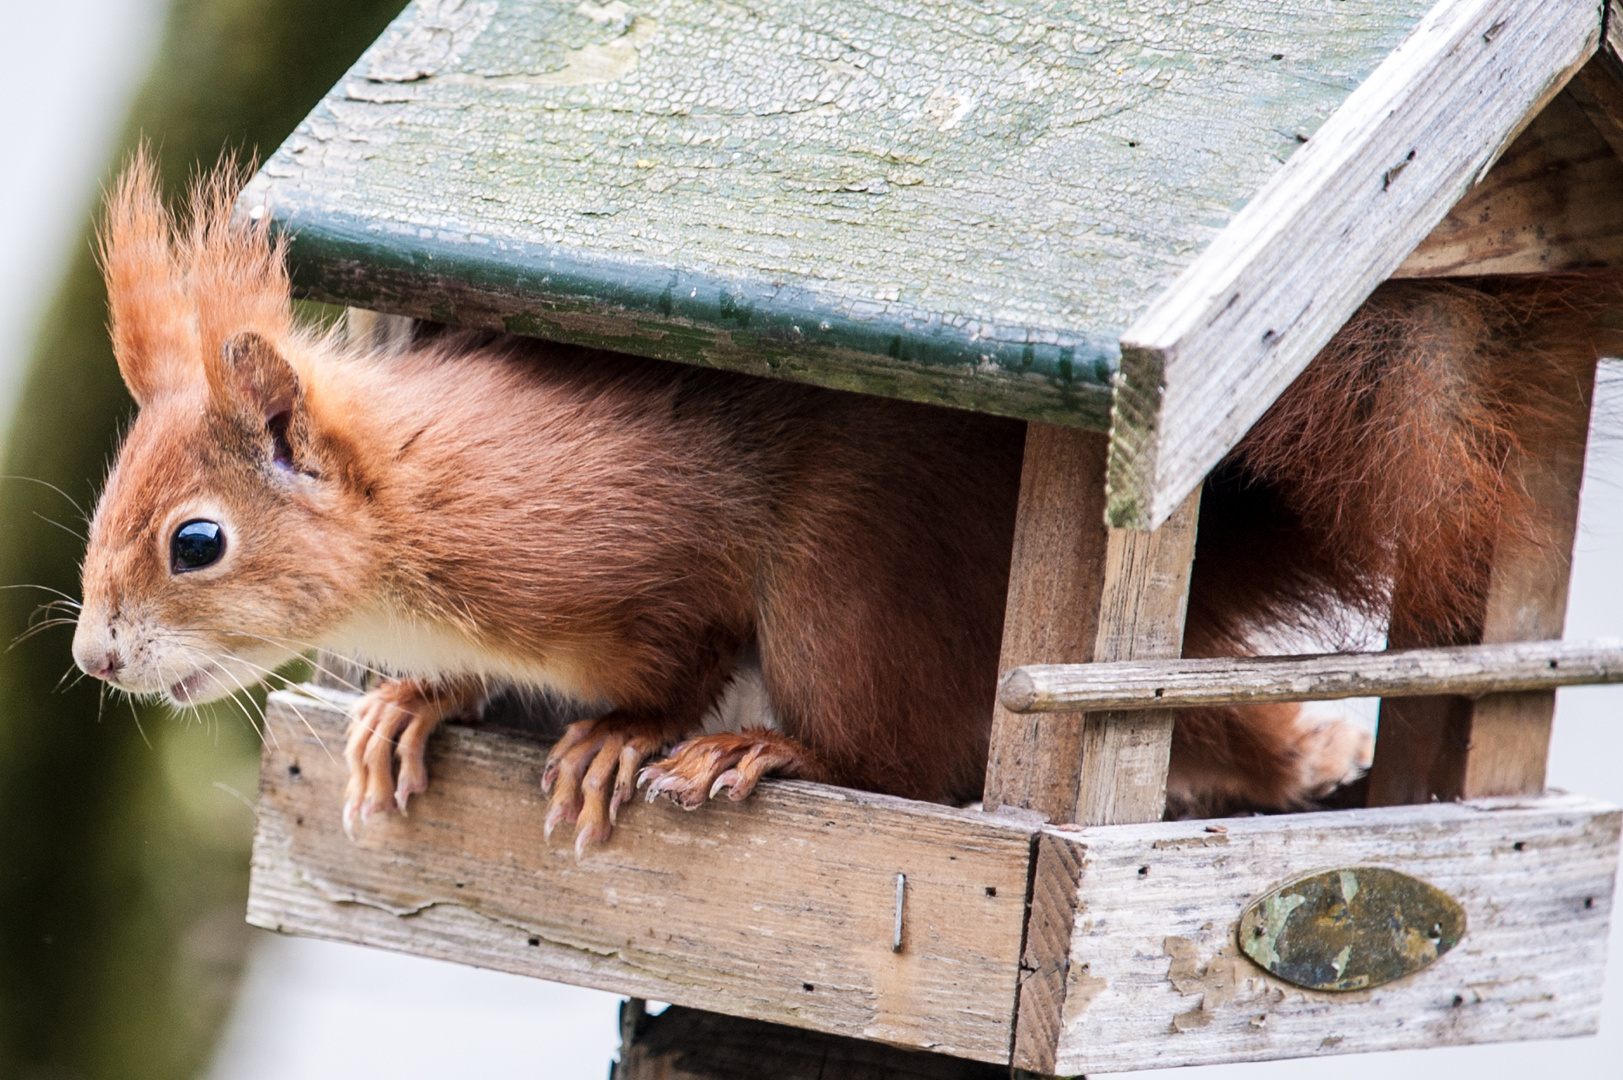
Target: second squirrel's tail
x,y
1378,485
1381,471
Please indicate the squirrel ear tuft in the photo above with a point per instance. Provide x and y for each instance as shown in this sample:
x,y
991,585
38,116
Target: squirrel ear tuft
x,y
252,376
153,331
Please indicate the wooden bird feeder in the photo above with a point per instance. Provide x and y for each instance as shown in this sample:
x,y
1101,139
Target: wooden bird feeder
x,y
1132,225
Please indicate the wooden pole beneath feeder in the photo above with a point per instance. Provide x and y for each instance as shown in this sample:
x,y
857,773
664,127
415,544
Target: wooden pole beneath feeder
x,y
688,1044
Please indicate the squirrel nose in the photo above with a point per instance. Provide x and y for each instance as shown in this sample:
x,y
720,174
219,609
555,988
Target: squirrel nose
x,y
97,660
108,666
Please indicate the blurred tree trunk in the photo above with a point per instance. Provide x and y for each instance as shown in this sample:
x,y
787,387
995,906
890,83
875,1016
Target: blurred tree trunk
x,y
123,854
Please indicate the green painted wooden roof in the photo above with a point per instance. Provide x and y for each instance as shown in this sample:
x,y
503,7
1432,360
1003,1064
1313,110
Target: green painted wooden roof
x,y
963,202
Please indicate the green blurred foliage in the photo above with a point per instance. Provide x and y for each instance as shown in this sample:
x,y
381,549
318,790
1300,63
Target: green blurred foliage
x,y
124,841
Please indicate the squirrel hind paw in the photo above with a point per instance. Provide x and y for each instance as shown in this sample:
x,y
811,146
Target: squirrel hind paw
x,y
731,762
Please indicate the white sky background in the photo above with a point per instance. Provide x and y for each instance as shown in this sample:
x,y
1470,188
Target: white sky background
x,y
315,1010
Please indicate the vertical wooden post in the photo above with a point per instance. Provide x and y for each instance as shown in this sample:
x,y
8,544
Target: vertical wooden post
x,y
1456,748
1055,586
1080,592
1141,615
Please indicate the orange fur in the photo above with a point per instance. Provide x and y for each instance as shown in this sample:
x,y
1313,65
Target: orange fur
x,y
494,511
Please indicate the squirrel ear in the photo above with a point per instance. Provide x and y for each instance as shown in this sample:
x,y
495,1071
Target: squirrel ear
x,y
251,375
152,328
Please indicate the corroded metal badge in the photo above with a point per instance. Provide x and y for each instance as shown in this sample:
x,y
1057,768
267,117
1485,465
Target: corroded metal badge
x,y
1350,928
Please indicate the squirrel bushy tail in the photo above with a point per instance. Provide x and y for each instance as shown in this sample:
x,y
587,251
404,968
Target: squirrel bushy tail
x,y
1378,481
1382,467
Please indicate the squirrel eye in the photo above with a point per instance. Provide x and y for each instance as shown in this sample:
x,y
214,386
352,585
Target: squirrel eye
x,y
196,544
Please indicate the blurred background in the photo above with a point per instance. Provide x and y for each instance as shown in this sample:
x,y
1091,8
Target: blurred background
x,y
124,837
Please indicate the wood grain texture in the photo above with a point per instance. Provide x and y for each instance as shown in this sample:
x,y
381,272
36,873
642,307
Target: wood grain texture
x,y
1141,616
779,908
952,202
1045,966
1156,980
1447,747
1471,670
686,1044
1211,353
1527,595
1056,578
1598,90
1081,592
1553,202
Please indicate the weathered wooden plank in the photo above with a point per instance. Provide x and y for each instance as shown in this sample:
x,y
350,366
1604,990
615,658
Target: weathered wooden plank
x,y
1080,592
1141,615
958,203
1527,594
1056,582
1551,203
1045,966
1156,980
1449,748
780,908
1214,350
686,1044
1254,680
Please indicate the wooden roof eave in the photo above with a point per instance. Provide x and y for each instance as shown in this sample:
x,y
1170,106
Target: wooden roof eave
x,y
469,170
1213,351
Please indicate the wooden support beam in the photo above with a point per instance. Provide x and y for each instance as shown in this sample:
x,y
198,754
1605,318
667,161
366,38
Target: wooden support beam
x,y
1553,202
1598,90
779,908
1141,615
1448,747
1056,581
1149,975
1080,593
1255,680
687,1044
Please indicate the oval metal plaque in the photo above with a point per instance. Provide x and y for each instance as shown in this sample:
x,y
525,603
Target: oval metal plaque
x,y
1349,928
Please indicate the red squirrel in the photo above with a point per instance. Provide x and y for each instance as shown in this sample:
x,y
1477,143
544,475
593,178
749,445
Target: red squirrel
x,y
483,511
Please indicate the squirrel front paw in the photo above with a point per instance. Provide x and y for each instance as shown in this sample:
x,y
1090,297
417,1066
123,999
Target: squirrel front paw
x,y
592,771
394,720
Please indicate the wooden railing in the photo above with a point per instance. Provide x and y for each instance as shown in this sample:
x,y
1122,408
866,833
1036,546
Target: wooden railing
x,y
1470,670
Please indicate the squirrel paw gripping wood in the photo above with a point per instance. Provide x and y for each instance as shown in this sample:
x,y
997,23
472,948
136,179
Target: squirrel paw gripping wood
x,y
393,721
592,772
703,768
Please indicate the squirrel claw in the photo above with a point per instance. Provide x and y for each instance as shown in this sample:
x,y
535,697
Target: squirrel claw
x,y
730,778
557,814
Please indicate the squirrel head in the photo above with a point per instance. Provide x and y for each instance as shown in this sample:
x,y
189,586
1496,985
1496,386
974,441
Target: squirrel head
x,y
225,537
